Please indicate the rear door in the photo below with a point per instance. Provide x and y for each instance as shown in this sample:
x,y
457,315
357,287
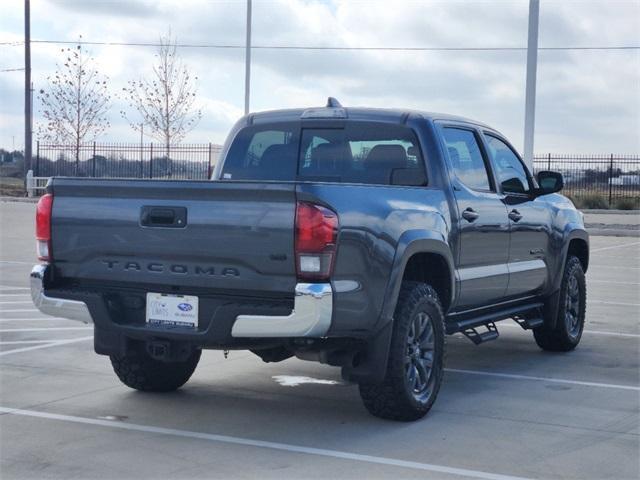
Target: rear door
x,y
529,219
483,225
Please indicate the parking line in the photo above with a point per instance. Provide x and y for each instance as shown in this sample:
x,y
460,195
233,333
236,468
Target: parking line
x,y
12,262
602,302
613,283
7,287
2,295
31,319
22,342
20,310
56,343
16,302
599,265
8,330
588,331
545,379
249,442
614,246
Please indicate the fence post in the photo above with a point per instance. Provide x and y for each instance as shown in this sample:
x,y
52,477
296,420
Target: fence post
x,y
29,183
93,171
151,160
141,160
549,162
37,158
209,163
610,178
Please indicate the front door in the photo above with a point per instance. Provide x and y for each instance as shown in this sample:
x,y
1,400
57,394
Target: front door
x,y
529,220
483,242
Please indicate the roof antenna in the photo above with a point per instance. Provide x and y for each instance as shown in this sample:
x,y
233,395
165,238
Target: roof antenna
x,y
333,103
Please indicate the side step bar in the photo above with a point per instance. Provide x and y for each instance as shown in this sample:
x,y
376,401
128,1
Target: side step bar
x,y
527,316
491,333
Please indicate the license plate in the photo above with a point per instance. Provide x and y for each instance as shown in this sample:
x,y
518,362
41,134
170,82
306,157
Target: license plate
x,y
172,310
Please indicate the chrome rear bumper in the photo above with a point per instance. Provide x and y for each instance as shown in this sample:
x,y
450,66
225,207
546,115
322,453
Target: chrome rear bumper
x,y
311,316
58,307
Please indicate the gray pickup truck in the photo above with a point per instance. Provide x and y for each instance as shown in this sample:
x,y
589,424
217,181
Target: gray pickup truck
x,y
354,237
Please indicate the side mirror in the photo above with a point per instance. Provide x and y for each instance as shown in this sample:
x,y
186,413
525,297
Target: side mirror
x,y
409,177
550,182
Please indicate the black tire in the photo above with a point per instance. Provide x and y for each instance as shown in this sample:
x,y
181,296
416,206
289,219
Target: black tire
x,y
569,324
141,372
405,394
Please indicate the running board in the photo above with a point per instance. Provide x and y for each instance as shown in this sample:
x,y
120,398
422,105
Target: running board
x,y
530,309
491,333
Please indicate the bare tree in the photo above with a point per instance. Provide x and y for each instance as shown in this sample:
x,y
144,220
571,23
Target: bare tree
x,y
76,101
165,101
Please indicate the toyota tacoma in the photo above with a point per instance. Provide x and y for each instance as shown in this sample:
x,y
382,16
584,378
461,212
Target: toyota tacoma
x,y
354,237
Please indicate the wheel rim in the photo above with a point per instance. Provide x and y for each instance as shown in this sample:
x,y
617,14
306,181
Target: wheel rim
x,y
572,307
420,352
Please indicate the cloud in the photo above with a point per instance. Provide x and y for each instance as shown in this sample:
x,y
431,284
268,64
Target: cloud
x,y
588,101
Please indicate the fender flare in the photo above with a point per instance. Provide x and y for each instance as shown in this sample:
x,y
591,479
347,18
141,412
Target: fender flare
x,y
410,243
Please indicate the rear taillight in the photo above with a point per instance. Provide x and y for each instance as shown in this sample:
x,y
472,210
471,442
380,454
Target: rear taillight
x,y
43,227
315,243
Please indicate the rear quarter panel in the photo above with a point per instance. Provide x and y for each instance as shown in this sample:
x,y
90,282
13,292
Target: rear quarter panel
x,y
373,220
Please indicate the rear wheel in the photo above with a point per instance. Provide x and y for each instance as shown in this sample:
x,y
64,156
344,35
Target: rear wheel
x,y
416,358
569,323
138,370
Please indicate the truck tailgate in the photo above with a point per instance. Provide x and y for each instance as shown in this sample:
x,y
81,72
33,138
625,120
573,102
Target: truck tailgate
x,y
235,237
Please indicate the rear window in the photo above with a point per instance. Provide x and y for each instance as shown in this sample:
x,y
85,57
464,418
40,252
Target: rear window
x,y
361,152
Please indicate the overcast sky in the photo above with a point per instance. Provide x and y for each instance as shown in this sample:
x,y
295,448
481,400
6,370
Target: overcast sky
x,y
588,100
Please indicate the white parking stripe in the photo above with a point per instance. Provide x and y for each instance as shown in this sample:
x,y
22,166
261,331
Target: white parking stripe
x,y
248,442
599,265
38,347
613,283
31,319
19,310
545,379
16,302
585,331
12,262
614,247
9,330
22,342
7,287
2,295
602,302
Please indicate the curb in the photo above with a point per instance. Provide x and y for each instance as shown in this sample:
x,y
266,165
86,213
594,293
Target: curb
x,y
600,211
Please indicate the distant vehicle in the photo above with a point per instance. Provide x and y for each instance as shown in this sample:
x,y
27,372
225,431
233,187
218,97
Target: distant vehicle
x,y
353,237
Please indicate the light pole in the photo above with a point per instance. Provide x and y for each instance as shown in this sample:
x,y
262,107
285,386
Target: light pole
x,y
247,58
530,93
27,87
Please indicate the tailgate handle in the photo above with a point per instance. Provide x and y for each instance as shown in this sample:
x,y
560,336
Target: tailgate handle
x,y
167,217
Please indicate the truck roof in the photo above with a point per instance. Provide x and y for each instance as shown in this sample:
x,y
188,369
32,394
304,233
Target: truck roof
x,y
390,115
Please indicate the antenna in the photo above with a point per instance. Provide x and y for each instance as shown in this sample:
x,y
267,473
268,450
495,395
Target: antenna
x,y
333,103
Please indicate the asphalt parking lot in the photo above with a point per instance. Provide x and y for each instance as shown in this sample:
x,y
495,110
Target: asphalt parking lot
x,y
506,408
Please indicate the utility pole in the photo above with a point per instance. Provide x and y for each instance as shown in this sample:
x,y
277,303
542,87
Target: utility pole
x,y
27,87
247,57
530,94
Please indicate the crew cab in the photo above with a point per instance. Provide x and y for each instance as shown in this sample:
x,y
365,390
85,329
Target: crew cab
x,y
354,237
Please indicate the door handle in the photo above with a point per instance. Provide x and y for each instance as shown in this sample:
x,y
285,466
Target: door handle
x,y
515,215
470,214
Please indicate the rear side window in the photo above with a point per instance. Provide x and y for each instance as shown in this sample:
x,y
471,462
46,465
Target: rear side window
x,y
263,153
466,158
361,152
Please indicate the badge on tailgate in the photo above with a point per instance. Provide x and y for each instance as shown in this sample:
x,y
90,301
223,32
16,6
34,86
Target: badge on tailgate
x,y
172,310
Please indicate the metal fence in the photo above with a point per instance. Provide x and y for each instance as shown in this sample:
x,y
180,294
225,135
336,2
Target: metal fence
x,y
126,160
611,177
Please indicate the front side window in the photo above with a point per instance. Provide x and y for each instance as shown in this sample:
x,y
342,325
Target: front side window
x,y
466,158
509,169
263,153
361,152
